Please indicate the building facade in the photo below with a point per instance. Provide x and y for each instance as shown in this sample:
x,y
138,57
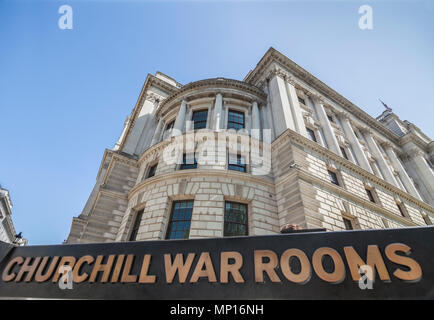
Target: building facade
x,y
7,229
221,157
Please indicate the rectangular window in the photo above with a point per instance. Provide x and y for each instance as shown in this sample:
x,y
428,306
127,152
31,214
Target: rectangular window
x,y
333,177
235,120
344,153
188,162
168,129
370,195
311,134
402,210
348,224
237,163
427,219
179,224
151,171
301,100
136,225
235,219
199,119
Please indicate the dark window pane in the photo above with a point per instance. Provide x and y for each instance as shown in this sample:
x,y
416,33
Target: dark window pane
x,y
348,224
136,225
301,100
370,195
237,164
152,170
179,224
188,162
344,153
333,177
199,119
235,219
311,134
235,120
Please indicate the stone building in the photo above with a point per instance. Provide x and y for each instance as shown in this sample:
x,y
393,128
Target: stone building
x,y
7,229
315,160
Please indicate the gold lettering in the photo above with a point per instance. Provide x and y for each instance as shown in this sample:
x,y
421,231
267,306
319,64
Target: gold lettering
x,y
374,260
67,260
415,272
7,275
40,276
75,273
28,268
144,277
304,275
204,260
268,267
178,265
234,269
338,275
100,267
117,268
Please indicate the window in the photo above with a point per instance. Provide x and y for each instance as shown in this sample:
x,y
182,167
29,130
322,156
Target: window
x,y
370,195
179,224
136,225
151,171
188,163
344,153
427,219
330,118
311,134
301,100
235,120
348,224
199,119
237,164
168,128
235,219
333,177
402,210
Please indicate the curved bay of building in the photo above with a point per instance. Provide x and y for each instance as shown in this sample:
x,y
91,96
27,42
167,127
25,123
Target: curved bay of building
x,y
279,147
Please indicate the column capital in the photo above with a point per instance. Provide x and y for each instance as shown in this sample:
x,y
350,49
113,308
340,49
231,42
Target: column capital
x,y
365,130
343,115
386,145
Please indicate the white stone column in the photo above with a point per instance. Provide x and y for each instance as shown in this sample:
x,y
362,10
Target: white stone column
x,y
424,172
382,163
269,114
189,125
180,119
157,133
218,112
281,109
357,147
256,124
328,130
408,184
297,114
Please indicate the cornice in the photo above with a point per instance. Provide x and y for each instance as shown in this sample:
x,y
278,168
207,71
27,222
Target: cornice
x,y
298,138
308,177
212,83
246,177
150,81
272,55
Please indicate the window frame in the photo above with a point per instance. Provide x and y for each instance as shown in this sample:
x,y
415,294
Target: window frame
x,y
243,125
246,224
183,164
310,130
148,170
237,165
338,180
170,221
200,121
136,225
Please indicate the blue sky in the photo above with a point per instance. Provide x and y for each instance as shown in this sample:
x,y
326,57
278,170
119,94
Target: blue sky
x,y
64,94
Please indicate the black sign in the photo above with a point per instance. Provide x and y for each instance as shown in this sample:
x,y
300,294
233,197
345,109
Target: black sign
x,y
373,264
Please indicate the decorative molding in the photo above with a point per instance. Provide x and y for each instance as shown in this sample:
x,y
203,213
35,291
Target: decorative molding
x,y
290,135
